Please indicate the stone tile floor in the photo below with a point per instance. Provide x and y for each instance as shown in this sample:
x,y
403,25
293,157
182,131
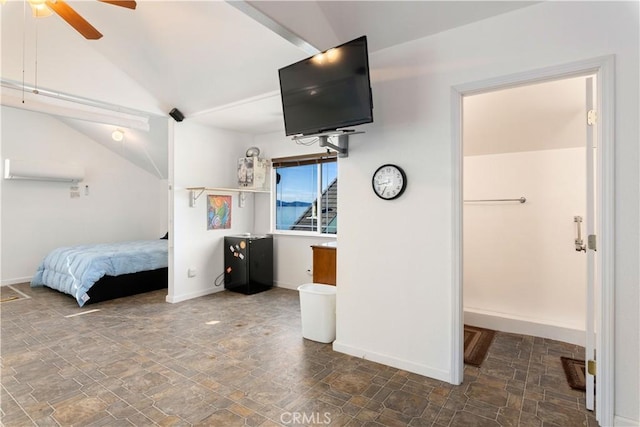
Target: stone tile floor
x,y
234,360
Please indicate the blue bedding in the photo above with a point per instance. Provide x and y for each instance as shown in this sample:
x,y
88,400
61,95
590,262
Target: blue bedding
x,y
74,269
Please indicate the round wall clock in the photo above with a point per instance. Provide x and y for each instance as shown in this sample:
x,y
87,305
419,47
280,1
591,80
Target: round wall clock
x,y
389,182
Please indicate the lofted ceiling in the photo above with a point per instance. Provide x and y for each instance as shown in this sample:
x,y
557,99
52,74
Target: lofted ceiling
x,y
543,116
215,61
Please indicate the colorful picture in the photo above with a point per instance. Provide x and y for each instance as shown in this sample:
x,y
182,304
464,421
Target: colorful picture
x,y
218,212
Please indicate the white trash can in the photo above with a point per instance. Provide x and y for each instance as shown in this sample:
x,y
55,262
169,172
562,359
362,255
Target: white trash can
x,y
318,310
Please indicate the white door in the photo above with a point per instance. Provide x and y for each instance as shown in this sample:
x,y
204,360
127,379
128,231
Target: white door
x,y
590,347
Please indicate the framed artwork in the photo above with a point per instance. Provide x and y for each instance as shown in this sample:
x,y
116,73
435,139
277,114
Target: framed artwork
x,y
218,212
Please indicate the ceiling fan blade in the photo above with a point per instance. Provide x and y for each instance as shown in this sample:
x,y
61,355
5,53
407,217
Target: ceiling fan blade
x,y
129,4
72,17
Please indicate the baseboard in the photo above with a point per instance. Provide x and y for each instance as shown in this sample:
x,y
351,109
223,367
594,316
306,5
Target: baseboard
x,y
286,285
184,297
513,324
392,361
625,422
7,282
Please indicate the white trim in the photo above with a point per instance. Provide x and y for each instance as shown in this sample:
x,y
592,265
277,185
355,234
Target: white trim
x,y
171,130
249,10
272,94
303,233
603,67
173,299
590,332
605,230
16,281
42,100
457,323
619,421
394,362
523,326
293,287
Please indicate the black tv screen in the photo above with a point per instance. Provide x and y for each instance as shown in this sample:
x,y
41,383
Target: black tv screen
x,y
327,91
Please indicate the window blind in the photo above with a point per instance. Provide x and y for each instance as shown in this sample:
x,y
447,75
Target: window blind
x,y
304,159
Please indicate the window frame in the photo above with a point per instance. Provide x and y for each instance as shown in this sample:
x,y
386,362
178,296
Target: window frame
x,y
312,158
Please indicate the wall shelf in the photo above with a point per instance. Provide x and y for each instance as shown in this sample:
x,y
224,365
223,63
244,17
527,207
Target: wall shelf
x,y
229,189
196,192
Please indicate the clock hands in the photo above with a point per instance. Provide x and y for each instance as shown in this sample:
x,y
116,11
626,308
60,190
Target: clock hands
x,y
389,182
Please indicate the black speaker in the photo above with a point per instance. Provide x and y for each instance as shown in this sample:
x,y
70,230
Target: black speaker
x,y
177,115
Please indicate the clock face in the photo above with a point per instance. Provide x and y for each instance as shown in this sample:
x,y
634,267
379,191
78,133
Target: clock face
x,y
389,182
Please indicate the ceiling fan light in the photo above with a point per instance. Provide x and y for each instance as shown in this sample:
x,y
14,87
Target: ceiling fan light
x,y
39,9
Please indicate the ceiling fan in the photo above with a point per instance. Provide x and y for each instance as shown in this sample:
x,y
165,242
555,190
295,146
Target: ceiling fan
x,y
43,8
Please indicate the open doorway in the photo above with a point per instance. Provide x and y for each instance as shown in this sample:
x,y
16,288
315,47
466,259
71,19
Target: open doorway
x,y
525,205
599,214
524,189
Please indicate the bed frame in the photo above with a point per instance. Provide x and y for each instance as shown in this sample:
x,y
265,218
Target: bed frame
x,y
111,287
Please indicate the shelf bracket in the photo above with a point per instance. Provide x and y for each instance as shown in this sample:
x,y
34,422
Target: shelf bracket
x,y
196,192
323,140
193,197
343,144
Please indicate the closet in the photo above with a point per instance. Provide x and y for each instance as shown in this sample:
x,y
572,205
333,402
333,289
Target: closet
x,y
524,188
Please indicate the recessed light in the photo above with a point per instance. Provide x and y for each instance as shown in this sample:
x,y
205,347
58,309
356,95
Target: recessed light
x,y
117,135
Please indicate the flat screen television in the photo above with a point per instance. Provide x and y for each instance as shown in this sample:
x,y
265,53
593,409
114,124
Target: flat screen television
x,y
328,91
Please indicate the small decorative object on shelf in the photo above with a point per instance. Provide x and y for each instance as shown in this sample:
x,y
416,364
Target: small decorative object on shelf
x,y
253,172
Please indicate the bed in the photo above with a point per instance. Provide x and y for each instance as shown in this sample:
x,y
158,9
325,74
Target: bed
x,y
92,273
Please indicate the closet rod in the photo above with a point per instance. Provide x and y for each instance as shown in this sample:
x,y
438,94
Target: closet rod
x,y
521,200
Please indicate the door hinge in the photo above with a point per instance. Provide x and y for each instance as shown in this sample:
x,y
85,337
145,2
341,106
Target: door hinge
x,y
592,117
591,367
591,242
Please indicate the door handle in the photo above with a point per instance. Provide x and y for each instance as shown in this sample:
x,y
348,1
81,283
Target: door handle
x,y
579,242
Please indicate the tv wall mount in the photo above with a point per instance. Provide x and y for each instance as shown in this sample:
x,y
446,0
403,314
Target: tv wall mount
x,y
323,140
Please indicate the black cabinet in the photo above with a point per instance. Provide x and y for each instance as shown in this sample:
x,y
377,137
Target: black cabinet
x,y
248,263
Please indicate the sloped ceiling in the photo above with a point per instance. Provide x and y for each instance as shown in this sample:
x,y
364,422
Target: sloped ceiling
x,y
211,59
543,116
385,23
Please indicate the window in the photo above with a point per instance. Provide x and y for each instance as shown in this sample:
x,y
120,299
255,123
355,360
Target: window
x,y
306,196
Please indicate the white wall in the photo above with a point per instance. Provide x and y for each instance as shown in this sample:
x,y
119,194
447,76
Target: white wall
x,y
521,270
207,157
202,157
395,258
124,201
